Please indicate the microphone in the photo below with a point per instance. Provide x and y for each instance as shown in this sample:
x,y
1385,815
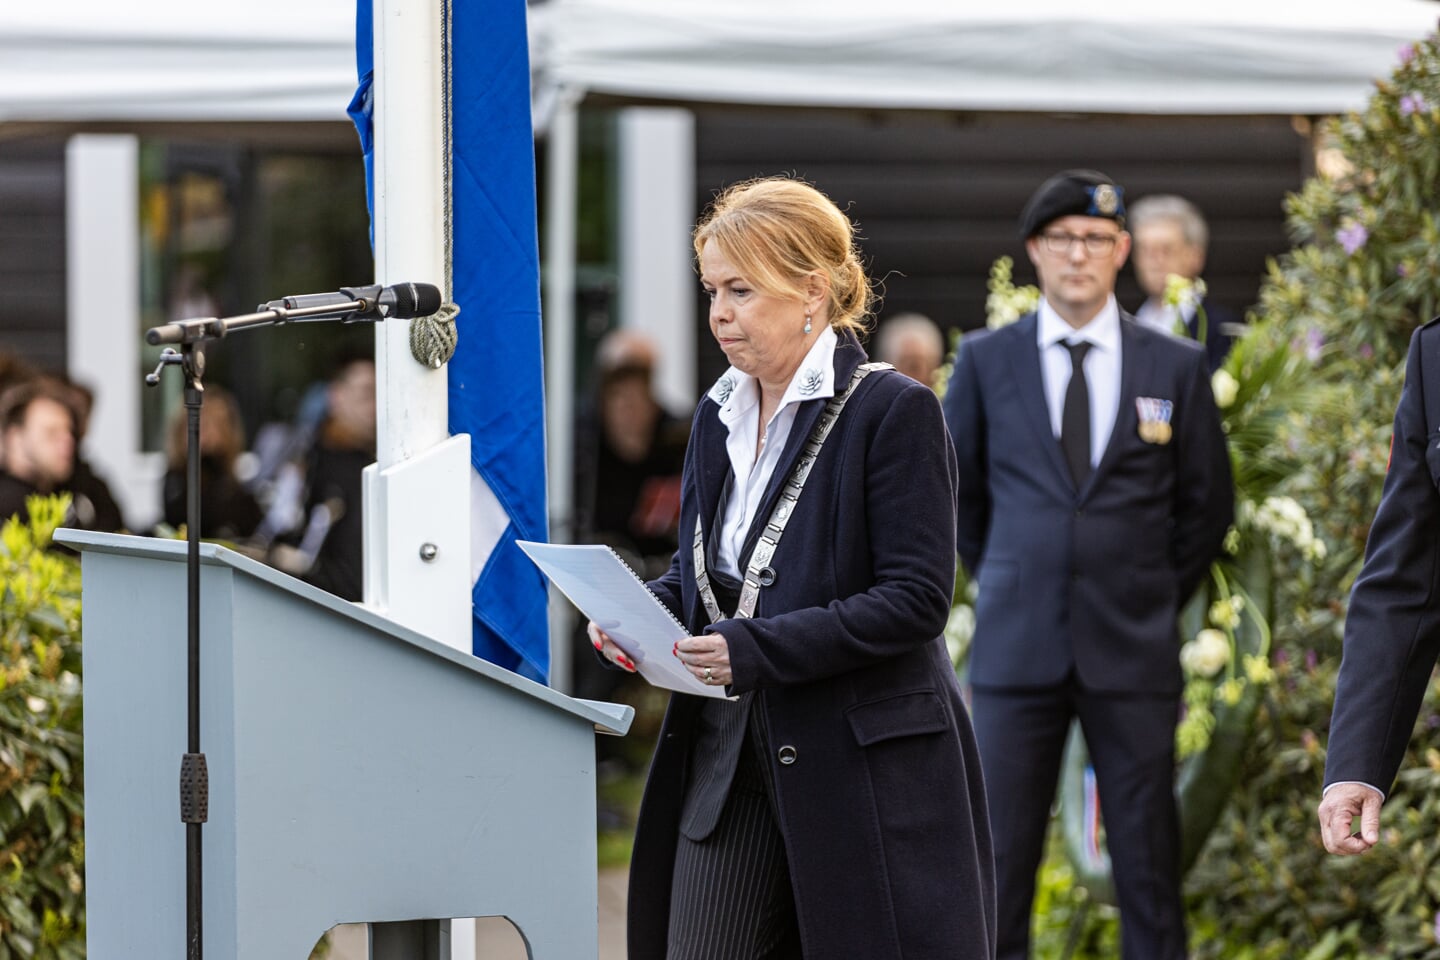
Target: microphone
x,y
399,301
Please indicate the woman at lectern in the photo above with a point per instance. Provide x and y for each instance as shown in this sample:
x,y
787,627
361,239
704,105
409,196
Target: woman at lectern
x,y
834,807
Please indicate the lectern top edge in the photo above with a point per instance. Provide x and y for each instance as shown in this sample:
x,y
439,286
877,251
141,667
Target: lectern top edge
x,y
607,718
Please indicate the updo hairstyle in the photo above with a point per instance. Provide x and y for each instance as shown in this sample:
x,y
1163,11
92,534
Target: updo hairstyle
x,y
777,231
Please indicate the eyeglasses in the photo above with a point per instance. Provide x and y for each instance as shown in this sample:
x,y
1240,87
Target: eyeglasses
x,y
1096,244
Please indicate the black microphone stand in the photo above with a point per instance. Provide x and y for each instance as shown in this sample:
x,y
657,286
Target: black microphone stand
x,y
192,335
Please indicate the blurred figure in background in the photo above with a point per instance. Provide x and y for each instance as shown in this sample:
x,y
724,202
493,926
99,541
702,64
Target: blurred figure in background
x,y
628,489
629,454
1171,239
914,344
227,510
344,446
85,483
38,443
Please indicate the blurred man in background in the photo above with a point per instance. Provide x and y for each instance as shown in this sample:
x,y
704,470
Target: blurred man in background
x,y
1171,239
914,344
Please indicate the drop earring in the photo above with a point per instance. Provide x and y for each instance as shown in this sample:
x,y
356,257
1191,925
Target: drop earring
x,y
807,323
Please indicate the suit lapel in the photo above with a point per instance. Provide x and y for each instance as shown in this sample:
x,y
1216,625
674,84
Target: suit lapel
x,y
1025,361
1133,358
711,466
848,355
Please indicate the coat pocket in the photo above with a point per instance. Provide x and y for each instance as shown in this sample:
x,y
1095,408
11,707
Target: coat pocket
x,y
903,715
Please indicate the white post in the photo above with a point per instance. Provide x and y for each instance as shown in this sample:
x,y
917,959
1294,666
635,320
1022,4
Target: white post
x,y
410,206
561,186
417,497
102,253
657,278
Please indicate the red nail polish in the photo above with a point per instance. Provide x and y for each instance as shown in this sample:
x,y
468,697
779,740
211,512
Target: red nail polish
x,y
598,643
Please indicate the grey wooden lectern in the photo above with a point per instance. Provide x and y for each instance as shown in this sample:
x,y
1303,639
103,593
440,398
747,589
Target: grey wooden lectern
x,y
359,772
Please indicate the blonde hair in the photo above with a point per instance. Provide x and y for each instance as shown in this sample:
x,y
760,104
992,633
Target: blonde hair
x,y
777,232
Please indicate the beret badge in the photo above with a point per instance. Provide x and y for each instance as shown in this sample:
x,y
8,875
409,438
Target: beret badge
x,y
1104,199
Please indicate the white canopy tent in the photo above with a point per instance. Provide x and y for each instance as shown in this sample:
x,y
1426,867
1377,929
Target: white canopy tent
x,y
86,60
1218,57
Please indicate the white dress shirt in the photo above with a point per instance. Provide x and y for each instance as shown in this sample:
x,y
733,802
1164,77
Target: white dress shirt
x,y
1158,315
1102,369
739,399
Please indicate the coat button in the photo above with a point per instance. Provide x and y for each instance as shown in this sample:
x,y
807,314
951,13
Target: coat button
x,y
766,576
786,755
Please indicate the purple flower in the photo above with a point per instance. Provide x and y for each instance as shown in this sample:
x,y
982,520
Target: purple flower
x,y
1314,344
1403,270
1406,53
1366,351
1412,103
1432,721
1437,927
1352,236
1311,659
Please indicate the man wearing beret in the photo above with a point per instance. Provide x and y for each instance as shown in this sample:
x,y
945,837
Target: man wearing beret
x,y
1094,492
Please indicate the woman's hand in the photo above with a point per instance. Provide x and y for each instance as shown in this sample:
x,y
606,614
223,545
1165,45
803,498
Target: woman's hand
x,y
607,648
707,657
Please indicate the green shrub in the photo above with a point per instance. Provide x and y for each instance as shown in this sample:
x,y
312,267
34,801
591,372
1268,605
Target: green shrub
x,y
1364,274
42,846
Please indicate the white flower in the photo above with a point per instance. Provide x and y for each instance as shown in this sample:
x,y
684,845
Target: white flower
x,y
1225,387
36,705
1206,654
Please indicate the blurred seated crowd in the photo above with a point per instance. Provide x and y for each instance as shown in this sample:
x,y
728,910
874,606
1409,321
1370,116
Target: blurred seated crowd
x,y
291,500
292,497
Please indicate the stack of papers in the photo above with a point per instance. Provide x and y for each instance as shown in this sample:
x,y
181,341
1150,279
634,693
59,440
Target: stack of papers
x,y
607,591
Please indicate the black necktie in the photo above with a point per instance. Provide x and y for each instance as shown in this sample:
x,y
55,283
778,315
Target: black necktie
x,y
1075,416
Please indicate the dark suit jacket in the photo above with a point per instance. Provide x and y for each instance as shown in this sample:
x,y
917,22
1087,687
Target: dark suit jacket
x,y
1089,579
1392,632
883,808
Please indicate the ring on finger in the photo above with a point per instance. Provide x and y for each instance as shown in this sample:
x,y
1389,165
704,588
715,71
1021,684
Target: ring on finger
x,y
709,675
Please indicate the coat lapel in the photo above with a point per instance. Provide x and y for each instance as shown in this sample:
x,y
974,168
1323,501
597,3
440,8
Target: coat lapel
x,y
848,355
712,463
1025,361
1133,358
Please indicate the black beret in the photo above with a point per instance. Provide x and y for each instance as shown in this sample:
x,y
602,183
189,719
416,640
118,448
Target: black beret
x,y
1084,193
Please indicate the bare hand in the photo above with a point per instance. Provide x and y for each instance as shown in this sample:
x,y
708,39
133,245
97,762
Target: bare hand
x,y
607,648
707,657
1341,804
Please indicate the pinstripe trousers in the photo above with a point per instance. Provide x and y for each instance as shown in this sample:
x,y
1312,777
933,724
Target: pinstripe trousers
x,y
730,896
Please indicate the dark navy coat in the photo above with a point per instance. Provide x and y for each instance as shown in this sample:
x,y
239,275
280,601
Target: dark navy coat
x,y
883,809
1089,579
1392,632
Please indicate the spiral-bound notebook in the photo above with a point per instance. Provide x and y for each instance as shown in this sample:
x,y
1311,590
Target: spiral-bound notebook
x,y
605,589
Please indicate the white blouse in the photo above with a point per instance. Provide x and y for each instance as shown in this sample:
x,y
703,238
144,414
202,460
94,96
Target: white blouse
x,y
739,397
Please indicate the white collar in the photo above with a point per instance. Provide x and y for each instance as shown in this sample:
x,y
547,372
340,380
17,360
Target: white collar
x,y
814,379
1102,331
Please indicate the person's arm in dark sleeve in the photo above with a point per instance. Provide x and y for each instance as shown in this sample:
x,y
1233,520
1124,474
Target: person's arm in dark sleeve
x,y
1392,630
1204,487
965,418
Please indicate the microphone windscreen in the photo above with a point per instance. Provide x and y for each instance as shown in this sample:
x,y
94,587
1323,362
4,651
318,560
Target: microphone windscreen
x,y
414,300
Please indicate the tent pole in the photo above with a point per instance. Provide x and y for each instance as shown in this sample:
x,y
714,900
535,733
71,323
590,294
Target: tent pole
x,y
562,166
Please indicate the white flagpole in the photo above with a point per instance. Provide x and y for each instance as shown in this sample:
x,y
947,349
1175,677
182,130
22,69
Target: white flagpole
x,y
417,497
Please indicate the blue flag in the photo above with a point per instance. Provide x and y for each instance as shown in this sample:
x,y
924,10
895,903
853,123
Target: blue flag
x,y
496,378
